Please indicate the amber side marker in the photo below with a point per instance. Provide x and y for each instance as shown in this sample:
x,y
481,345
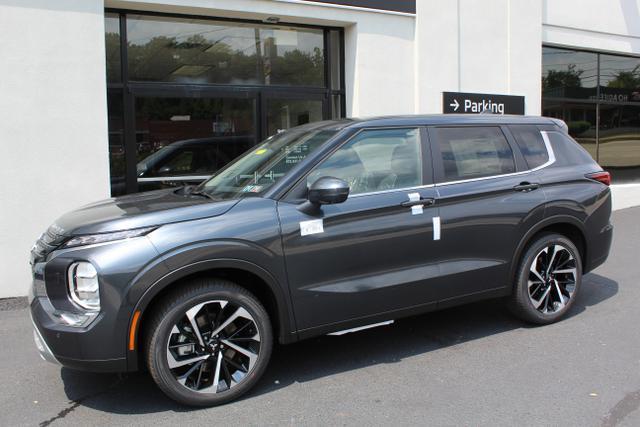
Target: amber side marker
x,y
132,330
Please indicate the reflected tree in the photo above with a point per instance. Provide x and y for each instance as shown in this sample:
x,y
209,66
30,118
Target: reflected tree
x,y
571,77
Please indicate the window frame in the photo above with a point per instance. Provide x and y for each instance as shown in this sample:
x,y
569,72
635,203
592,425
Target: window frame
x,y
131,88
295,192
518,159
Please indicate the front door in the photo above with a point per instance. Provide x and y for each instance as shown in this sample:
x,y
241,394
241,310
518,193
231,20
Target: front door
x,y
372,253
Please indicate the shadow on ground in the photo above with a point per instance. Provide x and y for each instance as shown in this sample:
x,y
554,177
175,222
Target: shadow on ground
x,y
329,355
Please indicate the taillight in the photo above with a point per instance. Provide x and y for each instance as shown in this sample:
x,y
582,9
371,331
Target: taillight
x,y
603,177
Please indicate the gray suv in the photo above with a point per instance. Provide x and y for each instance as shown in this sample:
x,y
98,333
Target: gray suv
x,y
326,228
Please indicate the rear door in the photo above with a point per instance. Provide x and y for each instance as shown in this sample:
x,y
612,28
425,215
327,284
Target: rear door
x,y
372,253
488,198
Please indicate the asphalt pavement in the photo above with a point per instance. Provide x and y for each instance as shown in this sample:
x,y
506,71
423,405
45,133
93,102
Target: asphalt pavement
x,y
471,365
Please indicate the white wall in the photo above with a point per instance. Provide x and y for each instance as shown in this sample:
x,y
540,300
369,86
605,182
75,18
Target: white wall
x,y
478,46
53,118
612,25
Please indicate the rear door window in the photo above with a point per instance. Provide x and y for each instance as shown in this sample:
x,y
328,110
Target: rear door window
x,y
531,144
472,152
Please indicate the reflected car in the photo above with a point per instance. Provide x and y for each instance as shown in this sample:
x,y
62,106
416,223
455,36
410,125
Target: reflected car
x,y
328,228
185,162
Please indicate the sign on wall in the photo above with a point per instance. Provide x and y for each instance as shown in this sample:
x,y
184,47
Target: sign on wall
x,y
476,103
404,6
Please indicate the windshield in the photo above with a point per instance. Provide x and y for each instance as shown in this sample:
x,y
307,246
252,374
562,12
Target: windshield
x,y
258,169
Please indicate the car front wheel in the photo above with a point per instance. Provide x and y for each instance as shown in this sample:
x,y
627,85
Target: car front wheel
x,y
208,343
548,279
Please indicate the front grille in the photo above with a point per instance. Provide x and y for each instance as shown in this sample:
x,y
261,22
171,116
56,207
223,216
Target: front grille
x,y
47,243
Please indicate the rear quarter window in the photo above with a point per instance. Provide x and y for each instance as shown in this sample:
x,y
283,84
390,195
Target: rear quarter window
x,y
531,145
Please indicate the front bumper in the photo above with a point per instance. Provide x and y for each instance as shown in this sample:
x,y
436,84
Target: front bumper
x,y
77,338
71,347
41,345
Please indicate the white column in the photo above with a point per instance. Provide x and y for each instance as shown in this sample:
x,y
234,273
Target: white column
x,y
53,122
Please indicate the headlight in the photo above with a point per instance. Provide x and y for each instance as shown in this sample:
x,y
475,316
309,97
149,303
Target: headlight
x,y
107,237
83,285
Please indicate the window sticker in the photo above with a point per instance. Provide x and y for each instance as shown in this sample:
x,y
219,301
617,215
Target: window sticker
x,y
417,209
252,189
314,226
436,228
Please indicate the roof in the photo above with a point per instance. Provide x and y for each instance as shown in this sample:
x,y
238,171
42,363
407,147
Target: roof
x,y
444,119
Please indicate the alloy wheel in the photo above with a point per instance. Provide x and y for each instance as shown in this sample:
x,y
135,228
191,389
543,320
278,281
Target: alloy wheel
x,y
552,278
213,346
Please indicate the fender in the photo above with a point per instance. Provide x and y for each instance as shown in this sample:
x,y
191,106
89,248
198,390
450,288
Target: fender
x,y
556,219
287,328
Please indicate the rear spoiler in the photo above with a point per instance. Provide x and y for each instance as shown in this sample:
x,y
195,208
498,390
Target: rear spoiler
x,y
561,124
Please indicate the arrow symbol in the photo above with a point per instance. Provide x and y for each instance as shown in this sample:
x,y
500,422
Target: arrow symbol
x,y
455,105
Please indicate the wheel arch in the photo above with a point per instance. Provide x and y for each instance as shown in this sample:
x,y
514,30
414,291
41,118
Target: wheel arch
x,y
566,225
245,274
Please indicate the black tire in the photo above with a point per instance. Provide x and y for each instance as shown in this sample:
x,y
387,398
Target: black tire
x,y
173,310
520,302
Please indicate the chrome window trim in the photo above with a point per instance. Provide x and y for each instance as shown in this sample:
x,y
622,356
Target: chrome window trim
x,y
175,178
550,153
392,190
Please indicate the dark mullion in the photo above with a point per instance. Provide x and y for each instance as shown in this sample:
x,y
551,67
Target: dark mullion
x,y
204,88
598,108
327,107
343,98
130,149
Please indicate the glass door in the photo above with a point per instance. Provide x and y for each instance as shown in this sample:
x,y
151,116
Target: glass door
x,y
185,138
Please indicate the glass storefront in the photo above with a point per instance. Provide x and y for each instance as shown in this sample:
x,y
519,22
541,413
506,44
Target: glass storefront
x,y
598,96
187,95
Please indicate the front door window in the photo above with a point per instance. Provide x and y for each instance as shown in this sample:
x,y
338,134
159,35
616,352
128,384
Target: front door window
x,y
376,160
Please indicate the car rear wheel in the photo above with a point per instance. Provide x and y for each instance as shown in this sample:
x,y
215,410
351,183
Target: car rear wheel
x,y
548,280
208,343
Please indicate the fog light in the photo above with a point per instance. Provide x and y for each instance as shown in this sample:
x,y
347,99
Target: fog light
x,y
83,285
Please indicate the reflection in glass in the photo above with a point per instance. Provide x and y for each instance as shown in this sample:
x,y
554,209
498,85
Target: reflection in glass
x,y
619,141
336,106
335,59
203,51
116,142
257,170
569,74
283,114
185,140
112,47
619,79
580,118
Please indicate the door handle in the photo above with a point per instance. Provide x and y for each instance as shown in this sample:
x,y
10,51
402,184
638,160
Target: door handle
x,y
526,187
423,202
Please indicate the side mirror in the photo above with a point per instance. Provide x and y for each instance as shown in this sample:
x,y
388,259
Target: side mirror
x,y
328,190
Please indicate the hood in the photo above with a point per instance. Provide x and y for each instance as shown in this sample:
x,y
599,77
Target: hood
x,y
138,210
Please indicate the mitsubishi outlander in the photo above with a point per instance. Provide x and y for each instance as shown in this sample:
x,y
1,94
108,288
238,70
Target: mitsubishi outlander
x,y
326,228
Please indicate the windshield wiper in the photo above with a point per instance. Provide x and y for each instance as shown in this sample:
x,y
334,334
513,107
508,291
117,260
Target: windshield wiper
x,y
203,194
189,190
